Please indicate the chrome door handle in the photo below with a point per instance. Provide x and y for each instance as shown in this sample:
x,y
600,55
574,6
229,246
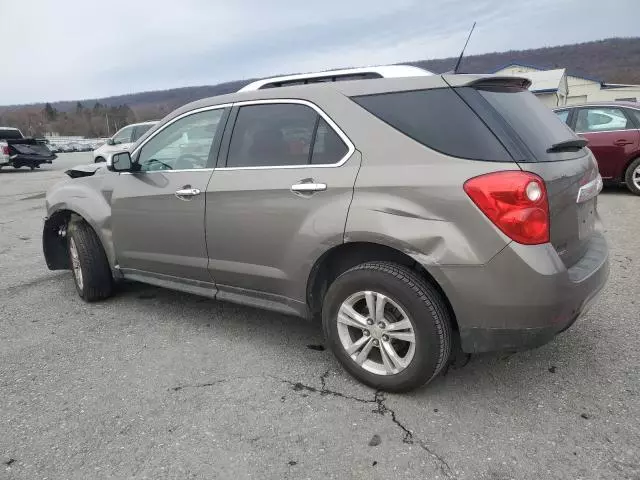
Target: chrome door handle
x,y
187,192
308,187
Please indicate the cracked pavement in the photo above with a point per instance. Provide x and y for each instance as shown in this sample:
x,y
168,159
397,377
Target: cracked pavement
x,y
160,384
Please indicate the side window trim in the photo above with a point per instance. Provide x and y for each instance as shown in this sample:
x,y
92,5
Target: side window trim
x,y
215,146
224,150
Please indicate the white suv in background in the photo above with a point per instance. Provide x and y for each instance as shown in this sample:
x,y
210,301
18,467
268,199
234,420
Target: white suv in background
x,y
122,140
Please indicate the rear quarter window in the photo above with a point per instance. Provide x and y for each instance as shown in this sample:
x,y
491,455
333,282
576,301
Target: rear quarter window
x,y
536,126
438,119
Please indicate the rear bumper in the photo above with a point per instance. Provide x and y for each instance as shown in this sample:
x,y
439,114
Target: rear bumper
x,y
524,296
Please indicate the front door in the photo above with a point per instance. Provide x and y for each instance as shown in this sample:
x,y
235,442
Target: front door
x,y
612,137
281,198
158,211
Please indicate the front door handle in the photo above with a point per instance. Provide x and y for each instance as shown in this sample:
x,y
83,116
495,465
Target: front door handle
x,y
622,142
308,187
187,191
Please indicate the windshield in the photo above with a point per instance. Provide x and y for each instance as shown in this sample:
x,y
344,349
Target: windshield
x,y
10,134
536,125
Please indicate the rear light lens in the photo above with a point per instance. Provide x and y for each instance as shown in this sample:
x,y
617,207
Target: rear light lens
x,y
5,149
516,202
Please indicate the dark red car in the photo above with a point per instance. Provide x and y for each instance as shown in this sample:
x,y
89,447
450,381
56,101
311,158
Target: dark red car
x,y
613,132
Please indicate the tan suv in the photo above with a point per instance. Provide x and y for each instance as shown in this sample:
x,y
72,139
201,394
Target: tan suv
x,y
403,212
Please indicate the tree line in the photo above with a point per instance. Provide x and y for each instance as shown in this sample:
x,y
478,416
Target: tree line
x,y
94,121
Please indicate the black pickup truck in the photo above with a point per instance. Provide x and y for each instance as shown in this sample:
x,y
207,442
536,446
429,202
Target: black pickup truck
x,y
18,151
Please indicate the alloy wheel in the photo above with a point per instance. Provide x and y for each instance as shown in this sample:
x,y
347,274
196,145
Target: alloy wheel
x,y
376,333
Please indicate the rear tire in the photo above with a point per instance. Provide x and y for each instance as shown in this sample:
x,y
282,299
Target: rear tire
x,y
632,177
89,264
415,353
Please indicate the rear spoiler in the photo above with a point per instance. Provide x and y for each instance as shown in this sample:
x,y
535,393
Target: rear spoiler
x,y
487,81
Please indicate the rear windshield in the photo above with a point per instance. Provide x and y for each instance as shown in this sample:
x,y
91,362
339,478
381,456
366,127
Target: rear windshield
x,y
10,134
439,119
535,124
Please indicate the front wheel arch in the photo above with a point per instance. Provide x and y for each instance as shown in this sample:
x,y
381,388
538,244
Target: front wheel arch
x,y
54,237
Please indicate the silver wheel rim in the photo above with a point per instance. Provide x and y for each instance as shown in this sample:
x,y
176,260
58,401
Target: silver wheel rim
x,y
635,177
75,262
376,333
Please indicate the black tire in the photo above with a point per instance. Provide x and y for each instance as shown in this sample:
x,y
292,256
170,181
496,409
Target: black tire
x,y
99,160
96,281
422,303
628,176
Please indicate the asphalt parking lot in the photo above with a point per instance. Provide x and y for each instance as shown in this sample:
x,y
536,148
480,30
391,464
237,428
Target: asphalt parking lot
x,y
159,384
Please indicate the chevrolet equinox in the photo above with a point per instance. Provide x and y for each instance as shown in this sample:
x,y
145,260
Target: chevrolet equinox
x,y
402,212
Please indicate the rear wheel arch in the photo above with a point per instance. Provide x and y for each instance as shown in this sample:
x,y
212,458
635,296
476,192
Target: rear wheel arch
x,y
345,256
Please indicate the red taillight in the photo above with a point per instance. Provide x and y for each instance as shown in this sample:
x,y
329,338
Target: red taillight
x,y
5,149
516,202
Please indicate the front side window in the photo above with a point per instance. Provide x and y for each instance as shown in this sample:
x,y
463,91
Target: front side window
x,y
183,145
601,119
141,130
123,136
282,134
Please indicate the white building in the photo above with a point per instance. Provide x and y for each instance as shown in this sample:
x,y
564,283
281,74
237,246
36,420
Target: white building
x,y
578,89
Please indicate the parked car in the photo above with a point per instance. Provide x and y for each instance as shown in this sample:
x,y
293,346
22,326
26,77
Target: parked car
x,y
361,73
613,132
18,151
122,140
402,212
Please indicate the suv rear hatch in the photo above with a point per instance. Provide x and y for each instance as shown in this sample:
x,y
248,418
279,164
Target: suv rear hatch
x,y
542,144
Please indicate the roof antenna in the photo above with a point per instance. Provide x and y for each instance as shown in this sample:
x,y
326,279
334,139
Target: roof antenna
x,y
455,70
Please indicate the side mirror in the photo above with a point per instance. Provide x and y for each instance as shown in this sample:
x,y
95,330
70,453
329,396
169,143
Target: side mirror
x,y
119,162
110,141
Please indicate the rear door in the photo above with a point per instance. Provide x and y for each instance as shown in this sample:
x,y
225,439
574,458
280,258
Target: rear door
x,y
613,137
279,198
567,171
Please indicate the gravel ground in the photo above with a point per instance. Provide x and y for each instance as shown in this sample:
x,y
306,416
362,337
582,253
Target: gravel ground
x,y
159,384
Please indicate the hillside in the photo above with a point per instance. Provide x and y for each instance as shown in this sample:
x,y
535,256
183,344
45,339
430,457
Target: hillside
x,y
615,60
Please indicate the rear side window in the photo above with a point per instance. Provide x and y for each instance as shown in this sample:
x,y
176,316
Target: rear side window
x,y
283,134
438,119
328,147
563,115
635,114
602,119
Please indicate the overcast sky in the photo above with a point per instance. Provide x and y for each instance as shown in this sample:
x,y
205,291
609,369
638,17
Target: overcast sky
x,y
76,49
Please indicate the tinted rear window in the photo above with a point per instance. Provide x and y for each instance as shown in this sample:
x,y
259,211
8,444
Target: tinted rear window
x,y
438,119
535,124
10,134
